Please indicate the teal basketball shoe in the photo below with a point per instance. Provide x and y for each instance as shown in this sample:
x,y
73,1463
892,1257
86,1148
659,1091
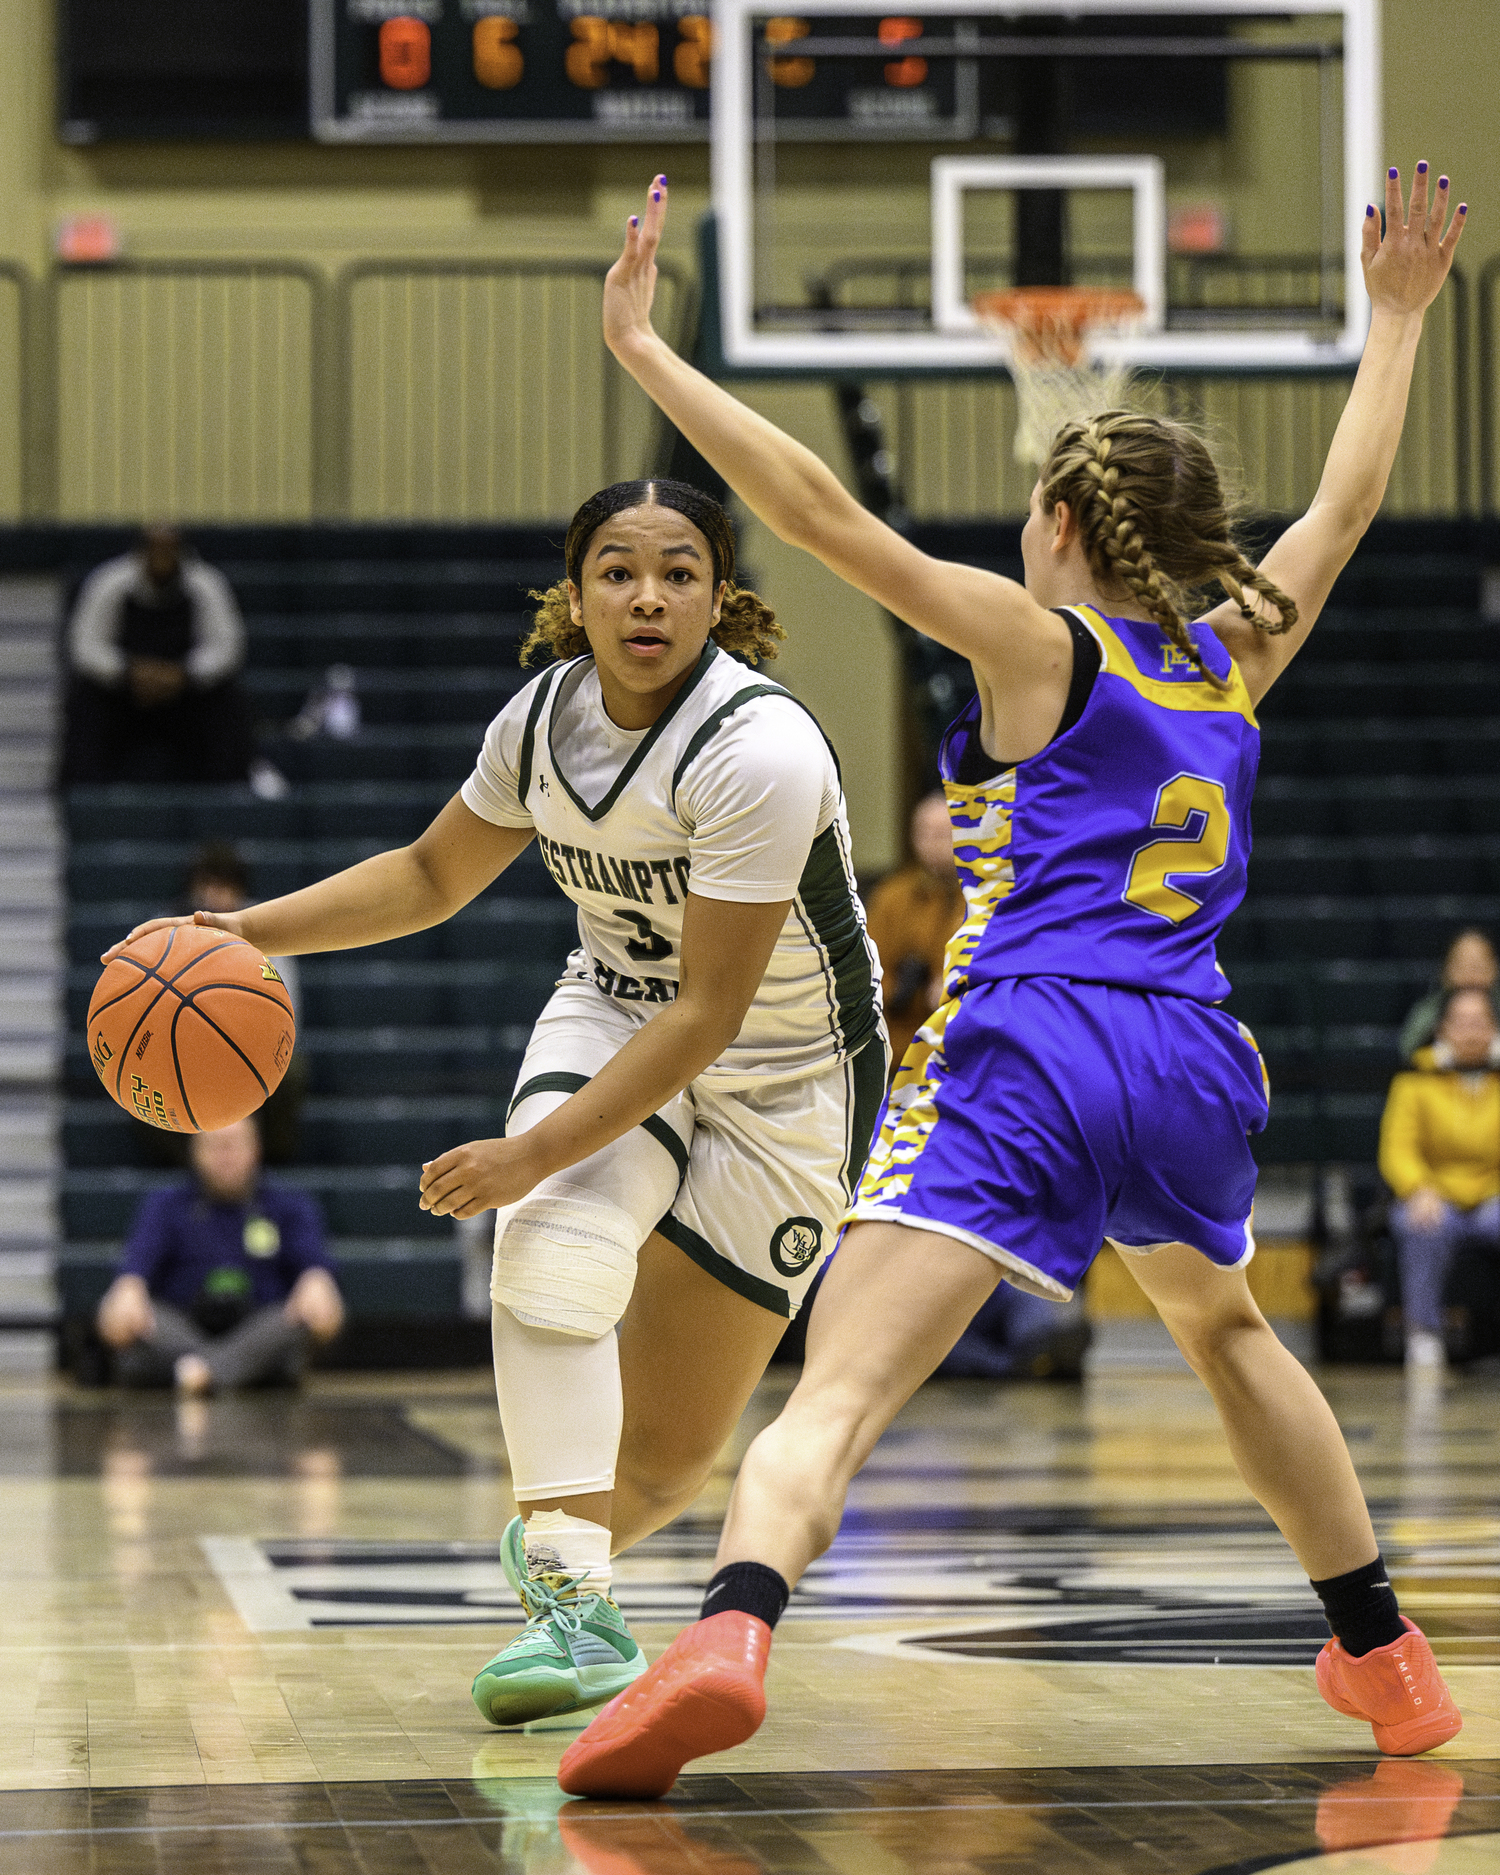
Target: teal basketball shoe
x,y
574,1652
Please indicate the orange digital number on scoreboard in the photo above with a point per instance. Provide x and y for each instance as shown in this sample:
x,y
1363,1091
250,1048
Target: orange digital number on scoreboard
x,y
790,74
906,72
599,43
498,64
405,53
695,45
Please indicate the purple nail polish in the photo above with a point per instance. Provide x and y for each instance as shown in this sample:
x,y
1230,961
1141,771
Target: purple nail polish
x,y
656,195
1394,174
1442,182
1463,208
1421,169
635,221
1369,211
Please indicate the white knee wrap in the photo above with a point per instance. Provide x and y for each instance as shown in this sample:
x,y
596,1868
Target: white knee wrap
x,y
565,1260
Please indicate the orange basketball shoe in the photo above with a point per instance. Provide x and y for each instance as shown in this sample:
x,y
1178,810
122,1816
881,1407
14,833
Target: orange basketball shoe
x,y
1396,1687
704,1694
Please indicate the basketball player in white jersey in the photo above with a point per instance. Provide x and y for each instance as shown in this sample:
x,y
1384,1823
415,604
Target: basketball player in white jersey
x,y
694,1109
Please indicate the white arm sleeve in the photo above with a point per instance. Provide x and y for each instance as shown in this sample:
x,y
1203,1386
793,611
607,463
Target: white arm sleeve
x,y
218,648
755,800
490,792
93,632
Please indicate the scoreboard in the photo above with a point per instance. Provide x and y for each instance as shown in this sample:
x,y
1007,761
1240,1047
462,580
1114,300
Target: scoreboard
x,y
575,71
588,71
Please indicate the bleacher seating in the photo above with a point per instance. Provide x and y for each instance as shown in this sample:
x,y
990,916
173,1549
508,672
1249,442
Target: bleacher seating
x,y
1377,822
1376,834
411,1046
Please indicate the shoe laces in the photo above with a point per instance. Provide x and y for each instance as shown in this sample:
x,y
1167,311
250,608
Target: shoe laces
x,y
552,1598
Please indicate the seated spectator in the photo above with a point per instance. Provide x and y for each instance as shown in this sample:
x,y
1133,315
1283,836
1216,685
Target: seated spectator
x,y
225,1280
156,643
1019,1336
1440,1155
1470,964
219,880
911,915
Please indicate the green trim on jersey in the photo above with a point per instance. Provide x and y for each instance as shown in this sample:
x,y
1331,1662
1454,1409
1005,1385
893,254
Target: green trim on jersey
x,y
528,734
657,1127
825,902
823,891
648,741
561,1081
868,1072
711,725
698,1250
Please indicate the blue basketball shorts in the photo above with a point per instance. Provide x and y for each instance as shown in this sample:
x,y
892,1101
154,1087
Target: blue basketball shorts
x,y
1035,1118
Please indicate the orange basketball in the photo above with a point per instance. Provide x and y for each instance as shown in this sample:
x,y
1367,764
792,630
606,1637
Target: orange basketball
x,y
190,1029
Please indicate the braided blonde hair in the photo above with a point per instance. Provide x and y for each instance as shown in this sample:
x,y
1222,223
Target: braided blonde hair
x,y
747,626
1152,514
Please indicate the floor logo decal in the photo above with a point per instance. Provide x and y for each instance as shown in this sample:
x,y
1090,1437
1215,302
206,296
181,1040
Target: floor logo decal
x,y
1057,1587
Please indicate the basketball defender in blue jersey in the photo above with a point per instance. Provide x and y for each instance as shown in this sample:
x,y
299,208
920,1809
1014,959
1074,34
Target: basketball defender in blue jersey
x,y
1081,1083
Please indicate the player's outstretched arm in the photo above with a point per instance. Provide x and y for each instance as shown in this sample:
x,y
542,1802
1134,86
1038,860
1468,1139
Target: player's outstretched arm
x,y
386,896
981,615
1404,270
726,946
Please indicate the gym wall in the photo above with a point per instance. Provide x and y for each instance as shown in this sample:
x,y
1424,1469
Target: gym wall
x,y
484,396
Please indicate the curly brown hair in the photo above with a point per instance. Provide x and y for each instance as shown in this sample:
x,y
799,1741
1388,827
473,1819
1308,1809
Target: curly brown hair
x,y
747,626
1152,512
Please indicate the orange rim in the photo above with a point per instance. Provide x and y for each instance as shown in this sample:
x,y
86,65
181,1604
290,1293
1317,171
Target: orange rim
x,y
1076,306
1049,321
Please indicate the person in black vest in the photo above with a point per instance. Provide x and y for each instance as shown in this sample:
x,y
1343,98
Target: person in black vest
x,y
156,643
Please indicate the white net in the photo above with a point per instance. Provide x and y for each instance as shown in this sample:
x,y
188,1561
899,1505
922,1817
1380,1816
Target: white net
x,y
1047,396
1056,376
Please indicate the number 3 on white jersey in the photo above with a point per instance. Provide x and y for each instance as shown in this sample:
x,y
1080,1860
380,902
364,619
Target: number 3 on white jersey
x,y
1184,801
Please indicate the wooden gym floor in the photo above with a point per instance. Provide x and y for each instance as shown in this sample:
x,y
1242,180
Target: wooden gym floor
x,y
1054,1636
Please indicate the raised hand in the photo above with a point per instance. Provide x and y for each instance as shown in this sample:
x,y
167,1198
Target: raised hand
x,y
1406,266
630,285
220,920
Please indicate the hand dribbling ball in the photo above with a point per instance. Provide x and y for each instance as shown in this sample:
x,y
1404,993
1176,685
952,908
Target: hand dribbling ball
x,y
190,1029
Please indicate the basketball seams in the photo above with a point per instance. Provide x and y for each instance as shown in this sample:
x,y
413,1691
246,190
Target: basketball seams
x,y
240,989
283,1002
154,975
223,1034
152,972
177,1065
147,976
149,972
130,1039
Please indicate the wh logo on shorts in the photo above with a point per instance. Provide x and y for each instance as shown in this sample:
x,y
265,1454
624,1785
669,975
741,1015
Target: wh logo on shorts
x,y
795,1244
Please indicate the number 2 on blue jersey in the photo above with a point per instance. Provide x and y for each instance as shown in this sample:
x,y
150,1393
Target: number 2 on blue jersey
x,y
1188,801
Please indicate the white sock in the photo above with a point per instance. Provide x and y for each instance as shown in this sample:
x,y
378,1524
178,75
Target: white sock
x,y
557,1544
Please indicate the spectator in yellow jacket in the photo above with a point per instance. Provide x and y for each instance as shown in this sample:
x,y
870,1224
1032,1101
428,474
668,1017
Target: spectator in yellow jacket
x,y
1440,1155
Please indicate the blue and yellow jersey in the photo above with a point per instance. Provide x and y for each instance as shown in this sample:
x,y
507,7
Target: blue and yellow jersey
x,y
1116,853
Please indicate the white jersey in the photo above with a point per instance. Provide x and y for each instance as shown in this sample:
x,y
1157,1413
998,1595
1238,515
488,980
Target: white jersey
x,y
732,793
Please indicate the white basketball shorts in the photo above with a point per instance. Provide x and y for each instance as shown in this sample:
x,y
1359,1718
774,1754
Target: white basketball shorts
x,y
749,1184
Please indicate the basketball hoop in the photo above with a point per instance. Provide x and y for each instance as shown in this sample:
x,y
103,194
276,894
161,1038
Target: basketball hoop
x,y
1048,329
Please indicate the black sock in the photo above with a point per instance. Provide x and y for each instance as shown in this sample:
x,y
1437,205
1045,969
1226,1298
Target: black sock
x,y
751,1588
1361,1608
